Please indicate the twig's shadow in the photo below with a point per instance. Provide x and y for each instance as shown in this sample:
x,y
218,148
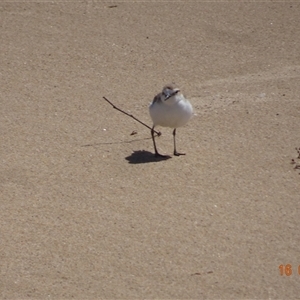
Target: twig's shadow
x,y
143,156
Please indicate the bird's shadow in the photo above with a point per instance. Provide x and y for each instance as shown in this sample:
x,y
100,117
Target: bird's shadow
x,y
143,156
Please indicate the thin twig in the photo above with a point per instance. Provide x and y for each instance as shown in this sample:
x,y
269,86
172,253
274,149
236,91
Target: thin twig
x,y
124,112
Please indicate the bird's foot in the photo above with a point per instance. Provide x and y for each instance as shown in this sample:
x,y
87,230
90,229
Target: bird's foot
x,y
161,155
178,153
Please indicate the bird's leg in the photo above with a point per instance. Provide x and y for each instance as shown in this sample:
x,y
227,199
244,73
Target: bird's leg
x,y
175,151
154,144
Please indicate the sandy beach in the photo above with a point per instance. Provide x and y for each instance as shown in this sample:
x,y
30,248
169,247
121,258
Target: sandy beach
x,y
88,212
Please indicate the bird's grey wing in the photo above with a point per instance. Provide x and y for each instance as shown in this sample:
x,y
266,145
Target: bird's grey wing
x,y
157,98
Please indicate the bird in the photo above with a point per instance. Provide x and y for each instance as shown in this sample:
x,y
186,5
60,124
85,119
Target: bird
x,y
169,109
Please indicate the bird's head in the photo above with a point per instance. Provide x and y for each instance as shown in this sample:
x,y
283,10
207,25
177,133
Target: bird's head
x,y
169,91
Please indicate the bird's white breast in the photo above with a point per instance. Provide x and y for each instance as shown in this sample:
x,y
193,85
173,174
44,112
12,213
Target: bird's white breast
x,y
174,112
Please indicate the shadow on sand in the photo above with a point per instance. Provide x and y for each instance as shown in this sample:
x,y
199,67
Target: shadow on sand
x,y
143,156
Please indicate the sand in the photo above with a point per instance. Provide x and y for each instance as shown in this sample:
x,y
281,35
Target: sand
x,y
87,212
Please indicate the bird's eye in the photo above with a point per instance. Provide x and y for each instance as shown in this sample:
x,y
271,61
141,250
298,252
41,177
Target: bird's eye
x,y
166,93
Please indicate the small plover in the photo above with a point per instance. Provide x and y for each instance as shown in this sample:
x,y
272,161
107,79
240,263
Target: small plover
x,y
169,109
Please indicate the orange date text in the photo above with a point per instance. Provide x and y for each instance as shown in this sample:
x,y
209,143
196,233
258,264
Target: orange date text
x,y
288,270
